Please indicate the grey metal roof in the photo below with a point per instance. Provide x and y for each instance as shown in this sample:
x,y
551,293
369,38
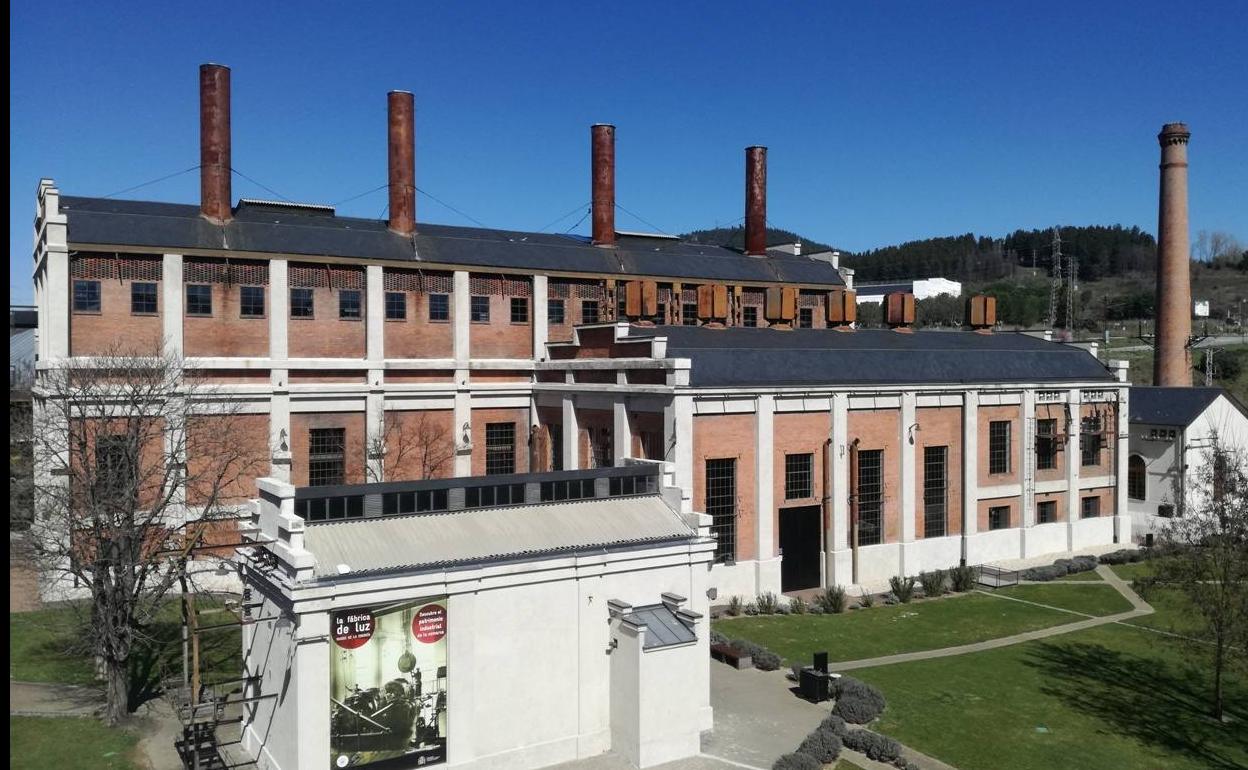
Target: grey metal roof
x,y
664,628
740,356
491,534
270,229
883,288
1170,406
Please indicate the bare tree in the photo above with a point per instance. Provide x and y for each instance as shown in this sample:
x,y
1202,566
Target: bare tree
x,y
1206,550
135,465
422,446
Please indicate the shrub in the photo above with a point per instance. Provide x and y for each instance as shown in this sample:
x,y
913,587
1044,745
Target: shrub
x,y
823,745
751,609
735,606
831,600
1123,556
881,748
763,658
815,609
962,579
833,723
1044,574
718,638
857,702
902,587
933,582
866,600
1083,564
797,761
797,606
767,603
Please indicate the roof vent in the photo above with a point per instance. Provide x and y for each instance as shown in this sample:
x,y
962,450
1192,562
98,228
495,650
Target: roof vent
x,y
287,207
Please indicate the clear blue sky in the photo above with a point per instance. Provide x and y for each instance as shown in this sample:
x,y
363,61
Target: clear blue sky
x,y
886,122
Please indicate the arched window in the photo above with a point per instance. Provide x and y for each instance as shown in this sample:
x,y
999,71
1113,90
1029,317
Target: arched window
x,y
1137,478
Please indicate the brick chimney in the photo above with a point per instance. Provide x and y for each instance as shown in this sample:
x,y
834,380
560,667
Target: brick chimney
x,y
602,182
756,201
1173,363
215,198
401,142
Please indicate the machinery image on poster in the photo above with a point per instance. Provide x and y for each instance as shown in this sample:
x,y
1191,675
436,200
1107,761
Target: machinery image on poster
x,y
388,685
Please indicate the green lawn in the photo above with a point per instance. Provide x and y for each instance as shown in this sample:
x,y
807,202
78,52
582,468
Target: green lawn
x,y
66,743
1139,569
1096,600
1108,697
1080,577
885,630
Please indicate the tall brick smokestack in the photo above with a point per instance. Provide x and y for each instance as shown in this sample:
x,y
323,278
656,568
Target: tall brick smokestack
x,y
215,198
1172,364
602,182
401,143
756,200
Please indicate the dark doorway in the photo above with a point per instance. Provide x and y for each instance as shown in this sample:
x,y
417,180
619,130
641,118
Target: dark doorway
x,y
799,543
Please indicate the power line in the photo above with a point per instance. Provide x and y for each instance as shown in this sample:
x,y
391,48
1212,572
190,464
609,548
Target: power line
x,y
361,195
565,216
651,225
435,198
264,187
154,181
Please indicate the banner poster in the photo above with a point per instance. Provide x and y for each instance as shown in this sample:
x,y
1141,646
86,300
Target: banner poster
x,y
388,685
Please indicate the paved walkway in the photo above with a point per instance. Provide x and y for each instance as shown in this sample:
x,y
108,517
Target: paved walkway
x,y
39,699
1139,607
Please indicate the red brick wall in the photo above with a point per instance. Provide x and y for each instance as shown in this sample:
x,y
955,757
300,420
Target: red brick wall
x,y
325,335
723,436
1015,504
1057,497
650,423
226,332
940,426
353,456
990,414
481,417
597,419
225,455
1057,413
1107,499
419,444
210,377
798,433
417,336
114,328
419,375
500,338
1109,444
878,429
496,375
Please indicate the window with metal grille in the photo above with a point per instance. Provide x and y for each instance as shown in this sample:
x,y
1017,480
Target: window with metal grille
x,y
116,469
1090,440
1137,478
420,501
689,314
935,490
797,476
86,296
251,301
660,314
439,307
326,456
198,300
554,311
870,496
620,486
1046,445
589,311
330,508
999,517
492,495
721,506
396,306
500,447
301,303
999,446
1046,512
806,318
349,305
1090,507
519,310
651,444
749,316
480,310
571,489
621,305
600,448
556,446
143,298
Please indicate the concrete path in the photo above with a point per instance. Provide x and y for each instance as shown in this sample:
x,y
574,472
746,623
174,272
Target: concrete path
x,y
1139,607
39,699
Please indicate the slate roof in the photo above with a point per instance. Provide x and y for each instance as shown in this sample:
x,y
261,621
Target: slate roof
x,y
741,356
456,538
277,229
1170,406
883,288
664,628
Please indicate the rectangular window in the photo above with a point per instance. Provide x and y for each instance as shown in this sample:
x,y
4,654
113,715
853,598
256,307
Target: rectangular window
x,y
198,300
600,449
301,303
797,476
689,314
554,311
493,495
349,306
396,306
500,447
721,506
870,497
621,306
1090,507
1046,445
589,311
749,316
935,490
556,447
806,318
143,298
660,314
326,456
999,517
1090,440
480,310
439,307
86,296
116,472
251,301
1046,512
999,446
519,310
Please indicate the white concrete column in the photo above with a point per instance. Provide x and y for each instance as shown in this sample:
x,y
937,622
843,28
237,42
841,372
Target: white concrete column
x,y
970,470
280,440
621,432
541,322
171,304
461,313
462,635
839,561
52,242
175,455
1074,411
909,550
375,315
311,674
764,502
1122,454
375,429
1028,453
461,424
571,435
678,441
279,309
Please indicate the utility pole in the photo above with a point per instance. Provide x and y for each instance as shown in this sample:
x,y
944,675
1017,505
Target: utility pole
x,y
1055,280
1072,285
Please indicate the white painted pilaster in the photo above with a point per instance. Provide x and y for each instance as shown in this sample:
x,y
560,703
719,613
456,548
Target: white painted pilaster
x,y
1029,462
461,313
621,432
279,309
461,426
571,435
970,468
541,322
764,459
839,567
678,437
52,246
171,304
1122,517
375,315
909,562
375,427
1073,461
280,440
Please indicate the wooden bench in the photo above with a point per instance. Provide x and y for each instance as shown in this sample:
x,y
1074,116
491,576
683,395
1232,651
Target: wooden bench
x,y
726,653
